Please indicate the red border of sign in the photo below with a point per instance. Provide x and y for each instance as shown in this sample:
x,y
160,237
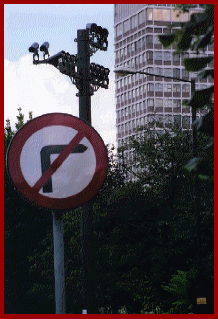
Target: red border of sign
x,y
16,146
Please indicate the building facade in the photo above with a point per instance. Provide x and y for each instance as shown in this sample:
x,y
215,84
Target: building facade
x,y
142,99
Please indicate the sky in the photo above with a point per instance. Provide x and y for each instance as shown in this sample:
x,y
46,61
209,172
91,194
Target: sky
x,y
42,88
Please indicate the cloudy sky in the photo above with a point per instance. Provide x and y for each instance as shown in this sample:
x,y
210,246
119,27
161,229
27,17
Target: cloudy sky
x,y
43,89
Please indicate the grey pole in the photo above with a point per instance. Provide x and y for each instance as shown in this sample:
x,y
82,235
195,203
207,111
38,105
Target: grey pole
x,y
58,237
194,141
83,68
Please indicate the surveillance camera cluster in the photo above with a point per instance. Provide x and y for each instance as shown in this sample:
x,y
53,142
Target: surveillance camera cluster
x,y
67,63
97,37
34,48
99,75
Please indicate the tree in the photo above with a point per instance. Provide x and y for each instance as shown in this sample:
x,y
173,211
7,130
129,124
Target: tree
x,y
24,227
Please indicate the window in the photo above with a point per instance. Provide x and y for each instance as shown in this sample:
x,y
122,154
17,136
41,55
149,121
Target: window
x,y
150,87
143,42
136,62
141,17
185,120
137,92
177,120
176,58
159,71
167,72
125,51
149,55
134,21
150,70
150,102
158,87
121,53
119,29
126,26
176,73
176,103
167,56
129,95
158,103
138,44
133,47
149,39
133,109
129,79
167,103
176,88
168,119
126,127
185,73
133,63
158,55
167,87
149,14
186,88
156,40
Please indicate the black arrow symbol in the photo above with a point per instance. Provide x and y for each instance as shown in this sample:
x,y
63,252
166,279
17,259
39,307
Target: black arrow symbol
x,y
45,153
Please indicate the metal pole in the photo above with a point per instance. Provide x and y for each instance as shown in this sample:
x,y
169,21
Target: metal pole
x,y
194,137
58,237
83,68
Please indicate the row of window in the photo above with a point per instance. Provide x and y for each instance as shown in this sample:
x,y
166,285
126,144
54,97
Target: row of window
x,y
136,108
152,87
161,118
151,14
162,56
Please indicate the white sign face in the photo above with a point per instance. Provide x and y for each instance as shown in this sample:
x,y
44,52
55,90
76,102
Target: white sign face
x,y
74,174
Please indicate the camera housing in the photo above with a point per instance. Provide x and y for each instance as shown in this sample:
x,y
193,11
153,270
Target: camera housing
x,y
44,48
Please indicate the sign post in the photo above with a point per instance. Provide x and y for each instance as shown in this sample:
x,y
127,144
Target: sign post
x,y
58,236
59,162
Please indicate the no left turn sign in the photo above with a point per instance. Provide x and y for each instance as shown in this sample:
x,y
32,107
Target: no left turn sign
x,y
57,161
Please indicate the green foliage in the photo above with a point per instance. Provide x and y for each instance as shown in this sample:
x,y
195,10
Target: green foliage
x,y
179,288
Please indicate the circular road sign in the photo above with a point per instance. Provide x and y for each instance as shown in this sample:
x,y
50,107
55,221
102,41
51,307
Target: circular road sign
x,y
57,161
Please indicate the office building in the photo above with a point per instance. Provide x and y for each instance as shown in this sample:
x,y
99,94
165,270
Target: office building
x,y
141,99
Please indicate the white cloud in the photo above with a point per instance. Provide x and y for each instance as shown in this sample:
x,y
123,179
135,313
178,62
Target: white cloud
x,y
43,89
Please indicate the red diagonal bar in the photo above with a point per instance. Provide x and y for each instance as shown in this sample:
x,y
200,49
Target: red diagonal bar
x,y
57,163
